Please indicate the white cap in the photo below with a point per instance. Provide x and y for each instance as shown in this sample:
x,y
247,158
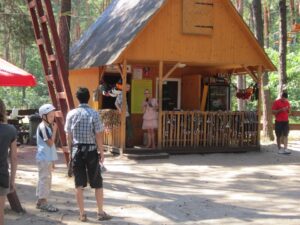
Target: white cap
x,y
45,109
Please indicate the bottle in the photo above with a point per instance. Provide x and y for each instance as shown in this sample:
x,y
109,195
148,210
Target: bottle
x,y
102,167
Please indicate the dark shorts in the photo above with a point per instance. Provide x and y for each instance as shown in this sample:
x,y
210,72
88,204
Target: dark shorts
x,y
86,167
282,128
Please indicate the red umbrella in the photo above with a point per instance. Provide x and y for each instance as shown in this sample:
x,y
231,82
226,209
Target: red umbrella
x,y
10,75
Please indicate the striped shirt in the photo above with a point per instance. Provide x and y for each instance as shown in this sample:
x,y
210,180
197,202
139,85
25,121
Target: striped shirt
x,y
83,123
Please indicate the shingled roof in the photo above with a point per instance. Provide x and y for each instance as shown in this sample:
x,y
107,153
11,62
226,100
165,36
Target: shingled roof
x,y
113,31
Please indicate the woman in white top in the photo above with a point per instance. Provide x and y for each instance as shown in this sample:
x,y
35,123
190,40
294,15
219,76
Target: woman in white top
x,y
150,118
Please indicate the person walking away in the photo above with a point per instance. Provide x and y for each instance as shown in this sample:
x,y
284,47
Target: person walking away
x,y
45,156
150,118
281,108
84,131
8,140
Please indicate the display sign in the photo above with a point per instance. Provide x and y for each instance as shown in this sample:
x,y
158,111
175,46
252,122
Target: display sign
x,y
137,94
137,73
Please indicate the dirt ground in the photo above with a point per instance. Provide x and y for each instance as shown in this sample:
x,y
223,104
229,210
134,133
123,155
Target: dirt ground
x,y
244,188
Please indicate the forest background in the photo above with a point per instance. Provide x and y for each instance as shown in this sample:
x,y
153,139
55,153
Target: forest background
x,y
17,44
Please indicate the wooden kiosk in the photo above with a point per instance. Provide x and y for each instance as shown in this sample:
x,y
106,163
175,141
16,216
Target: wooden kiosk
x,y
177,49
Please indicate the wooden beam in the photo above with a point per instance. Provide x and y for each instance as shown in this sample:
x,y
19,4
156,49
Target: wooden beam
x,y
251,73
259,74
160,99
119,68
204,98
171,71
100,98
124,103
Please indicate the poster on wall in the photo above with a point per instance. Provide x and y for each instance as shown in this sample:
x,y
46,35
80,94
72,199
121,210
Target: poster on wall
x,y
137,94
146,72
137,73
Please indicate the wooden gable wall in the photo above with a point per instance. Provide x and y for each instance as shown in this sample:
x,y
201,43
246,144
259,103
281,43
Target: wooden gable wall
x,y
88,78
229,44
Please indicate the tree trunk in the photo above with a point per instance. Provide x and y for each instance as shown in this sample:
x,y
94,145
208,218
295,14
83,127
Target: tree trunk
x,y
64,28
292,7
6,37
241,79
251,19
258,22
23,64
266,23
265,91
282,47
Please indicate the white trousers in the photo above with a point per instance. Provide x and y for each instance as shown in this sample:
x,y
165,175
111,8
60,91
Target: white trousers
x,y
44,181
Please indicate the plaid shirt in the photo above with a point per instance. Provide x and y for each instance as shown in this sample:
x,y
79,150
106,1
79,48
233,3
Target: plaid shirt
x,y
83,123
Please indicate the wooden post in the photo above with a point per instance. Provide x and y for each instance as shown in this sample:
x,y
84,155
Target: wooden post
x,y
160,93
204,98
259,74
15,202
124,103
101,73
171,71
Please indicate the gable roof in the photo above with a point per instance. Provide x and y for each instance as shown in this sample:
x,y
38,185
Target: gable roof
x,y
116,30
113,31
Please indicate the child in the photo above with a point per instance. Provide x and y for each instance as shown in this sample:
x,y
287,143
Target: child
x,y
45,156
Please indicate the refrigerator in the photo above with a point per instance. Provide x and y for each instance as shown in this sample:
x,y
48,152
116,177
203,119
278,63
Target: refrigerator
x,y
218,98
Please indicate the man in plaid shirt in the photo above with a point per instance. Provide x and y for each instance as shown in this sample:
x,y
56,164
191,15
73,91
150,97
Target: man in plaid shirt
x,y
84,131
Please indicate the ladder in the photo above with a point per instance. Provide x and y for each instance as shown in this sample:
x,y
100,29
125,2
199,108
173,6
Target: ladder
x,y
55,73
54,65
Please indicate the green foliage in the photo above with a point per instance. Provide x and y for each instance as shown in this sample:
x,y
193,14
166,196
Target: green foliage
x,y
293,73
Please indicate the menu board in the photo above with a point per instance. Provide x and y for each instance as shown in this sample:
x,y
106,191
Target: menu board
x,y
137,94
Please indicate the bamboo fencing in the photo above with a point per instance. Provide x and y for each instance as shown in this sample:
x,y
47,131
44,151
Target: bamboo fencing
x,y
194,129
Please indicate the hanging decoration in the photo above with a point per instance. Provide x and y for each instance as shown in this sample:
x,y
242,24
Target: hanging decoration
x,y
246,94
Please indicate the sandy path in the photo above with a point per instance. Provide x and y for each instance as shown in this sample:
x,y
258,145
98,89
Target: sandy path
x,y
248,188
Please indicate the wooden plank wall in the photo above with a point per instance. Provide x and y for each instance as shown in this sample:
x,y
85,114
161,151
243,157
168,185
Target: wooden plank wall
x,y
191,92
163,39
84,78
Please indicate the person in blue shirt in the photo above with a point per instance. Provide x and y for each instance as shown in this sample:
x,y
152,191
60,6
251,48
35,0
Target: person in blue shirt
x,y
45,156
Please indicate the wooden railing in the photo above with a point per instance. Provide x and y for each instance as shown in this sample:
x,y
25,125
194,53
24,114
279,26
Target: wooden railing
x,y
295,126
112,137
292,126
195,129
111,121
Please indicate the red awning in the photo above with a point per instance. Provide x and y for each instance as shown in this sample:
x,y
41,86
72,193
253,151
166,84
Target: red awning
x,y
10,75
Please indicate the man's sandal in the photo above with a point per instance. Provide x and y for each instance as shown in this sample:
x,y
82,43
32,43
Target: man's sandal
x,y
103,216
47,208
83,218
